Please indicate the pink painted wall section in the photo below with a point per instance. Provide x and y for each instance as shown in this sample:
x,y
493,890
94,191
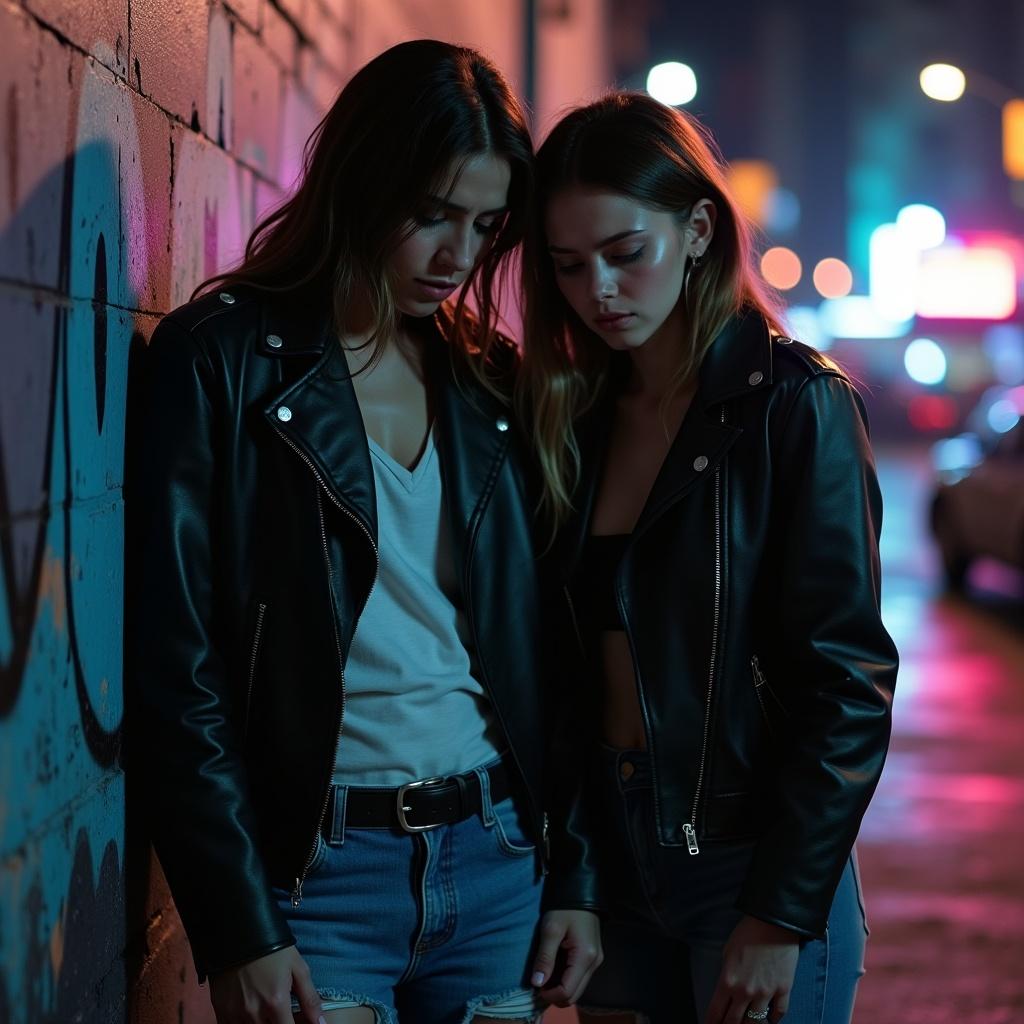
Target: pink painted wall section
x,y
141,142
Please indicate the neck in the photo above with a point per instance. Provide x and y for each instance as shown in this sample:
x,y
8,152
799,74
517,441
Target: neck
x,y
654,364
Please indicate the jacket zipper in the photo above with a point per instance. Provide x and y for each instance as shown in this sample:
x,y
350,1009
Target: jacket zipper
x,y
261,610
690,829
759,684
641,700
296,895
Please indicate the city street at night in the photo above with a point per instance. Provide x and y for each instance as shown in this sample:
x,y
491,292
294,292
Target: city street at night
x,y
940,848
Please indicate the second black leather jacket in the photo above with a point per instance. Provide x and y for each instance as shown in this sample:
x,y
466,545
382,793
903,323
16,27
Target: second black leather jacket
x,y
252,551
749,590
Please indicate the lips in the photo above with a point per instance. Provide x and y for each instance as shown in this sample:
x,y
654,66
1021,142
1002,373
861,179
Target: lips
x,y
613,320
437,290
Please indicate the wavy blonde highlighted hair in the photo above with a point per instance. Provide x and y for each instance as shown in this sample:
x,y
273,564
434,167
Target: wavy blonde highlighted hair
x,y
631,145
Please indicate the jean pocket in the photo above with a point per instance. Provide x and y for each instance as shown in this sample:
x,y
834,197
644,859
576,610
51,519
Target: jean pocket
x,y
509,831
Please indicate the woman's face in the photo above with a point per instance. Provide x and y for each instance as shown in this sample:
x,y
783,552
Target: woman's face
x,y
619,264
449,235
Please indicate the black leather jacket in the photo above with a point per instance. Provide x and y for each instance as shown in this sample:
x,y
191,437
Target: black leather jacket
x,y
749,590
252,551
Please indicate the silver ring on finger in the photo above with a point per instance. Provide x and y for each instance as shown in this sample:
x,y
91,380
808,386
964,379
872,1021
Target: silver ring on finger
x,y
757,1014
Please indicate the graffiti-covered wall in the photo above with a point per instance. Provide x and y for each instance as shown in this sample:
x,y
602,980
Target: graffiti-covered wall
x,y
141,139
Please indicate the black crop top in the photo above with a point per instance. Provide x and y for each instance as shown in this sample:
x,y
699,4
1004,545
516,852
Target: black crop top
x,y
594,587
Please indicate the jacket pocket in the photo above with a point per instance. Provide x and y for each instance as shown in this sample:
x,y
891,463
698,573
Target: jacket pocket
x,y
765,698
254,655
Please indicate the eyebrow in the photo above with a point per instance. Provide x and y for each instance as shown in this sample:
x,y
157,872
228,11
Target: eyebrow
x,y
447,205
603,242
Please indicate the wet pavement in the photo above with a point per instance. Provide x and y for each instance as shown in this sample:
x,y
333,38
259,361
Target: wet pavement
x,y
942,846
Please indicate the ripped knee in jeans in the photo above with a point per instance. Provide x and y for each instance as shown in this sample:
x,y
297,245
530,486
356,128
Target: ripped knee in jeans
x,y
521,1004
348,1008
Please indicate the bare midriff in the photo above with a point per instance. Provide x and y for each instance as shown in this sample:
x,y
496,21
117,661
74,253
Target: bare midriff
x,y
622,717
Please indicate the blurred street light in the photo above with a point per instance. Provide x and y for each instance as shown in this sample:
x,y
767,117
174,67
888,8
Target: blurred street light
x,y
781,268
943,82
946,83
832,278
923,224
672,83
925,362
752,183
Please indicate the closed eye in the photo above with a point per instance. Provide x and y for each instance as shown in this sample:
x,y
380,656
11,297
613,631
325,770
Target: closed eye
x,y
568,268
628,257
489,227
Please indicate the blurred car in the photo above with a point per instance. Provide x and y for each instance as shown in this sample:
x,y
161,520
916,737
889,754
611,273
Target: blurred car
x,y
978,507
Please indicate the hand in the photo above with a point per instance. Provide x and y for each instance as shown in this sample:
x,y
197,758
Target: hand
x,y
758,965
260,992
578,933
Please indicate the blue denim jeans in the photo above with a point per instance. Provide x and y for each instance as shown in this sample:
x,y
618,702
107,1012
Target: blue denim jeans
x,y
424,928
674,912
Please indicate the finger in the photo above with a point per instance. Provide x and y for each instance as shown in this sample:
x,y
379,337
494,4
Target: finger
x,y
307,995
579,966
737,1009
587,975
276,1009
551,935
720,1000
779,1006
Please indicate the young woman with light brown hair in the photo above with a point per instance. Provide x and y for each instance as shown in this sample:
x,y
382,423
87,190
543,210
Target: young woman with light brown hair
x,y
710,492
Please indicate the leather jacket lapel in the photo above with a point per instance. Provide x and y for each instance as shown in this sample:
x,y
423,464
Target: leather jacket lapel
x,y
319,417
472,442
698,448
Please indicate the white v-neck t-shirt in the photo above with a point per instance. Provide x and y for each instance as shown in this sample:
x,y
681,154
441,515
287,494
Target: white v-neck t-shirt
x,y
414,706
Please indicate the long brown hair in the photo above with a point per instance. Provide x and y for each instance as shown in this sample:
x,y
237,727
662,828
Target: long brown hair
x,y
632,145
389,141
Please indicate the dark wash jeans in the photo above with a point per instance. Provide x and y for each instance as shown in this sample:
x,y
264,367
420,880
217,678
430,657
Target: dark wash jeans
x,y
674,912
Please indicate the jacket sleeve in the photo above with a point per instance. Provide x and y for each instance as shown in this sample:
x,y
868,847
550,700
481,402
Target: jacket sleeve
x,y
183,745
833,665
573,877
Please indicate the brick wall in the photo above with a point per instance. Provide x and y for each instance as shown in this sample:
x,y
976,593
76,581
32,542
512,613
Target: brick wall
x,y
141,141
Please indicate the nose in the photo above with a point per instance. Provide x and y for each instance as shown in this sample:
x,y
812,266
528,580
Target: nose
x,y
459,251
603,283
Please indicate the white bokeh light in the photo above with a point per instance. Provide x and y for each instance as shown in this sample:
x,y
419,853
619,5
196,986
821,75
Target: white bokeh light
x,y
925,361
672,83
923,225
944,82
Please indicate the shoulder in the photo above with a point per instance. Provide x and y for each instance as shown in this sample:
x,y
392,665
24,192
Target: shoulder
x,y
792,359
215,316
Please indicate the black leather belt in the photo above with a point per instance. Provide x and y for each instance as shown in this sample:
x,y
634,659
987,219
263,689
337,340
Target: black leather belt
x,y
418,806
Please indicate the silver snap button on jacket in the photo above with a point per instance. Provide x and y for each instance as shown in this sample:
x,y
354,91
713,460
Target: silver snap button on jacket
x,y
700,463
755,378
274,341
226,297
502,425
284,414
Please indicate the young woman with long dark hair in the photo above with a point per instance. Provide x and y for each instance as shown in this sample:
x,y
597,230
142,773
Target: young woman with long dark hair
x,y
334,634
717,511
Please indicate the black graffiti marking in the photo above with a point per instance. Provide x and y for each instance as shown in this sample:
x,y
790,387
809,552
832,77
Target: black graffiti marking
x,y
99,312
103,744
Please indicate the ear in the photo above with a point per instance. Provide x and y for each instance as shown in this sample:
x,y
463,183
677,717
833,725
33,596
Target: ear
x,y
701,226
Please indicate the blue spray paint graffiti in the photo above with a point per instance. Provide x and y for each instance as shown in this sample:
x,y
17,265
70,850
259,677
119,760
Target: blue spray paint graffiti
x,y
62,923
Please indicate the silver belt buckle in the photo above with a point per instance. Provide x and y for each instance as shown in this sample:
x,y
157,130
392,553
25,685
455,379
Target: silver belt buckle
x,y
402,808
